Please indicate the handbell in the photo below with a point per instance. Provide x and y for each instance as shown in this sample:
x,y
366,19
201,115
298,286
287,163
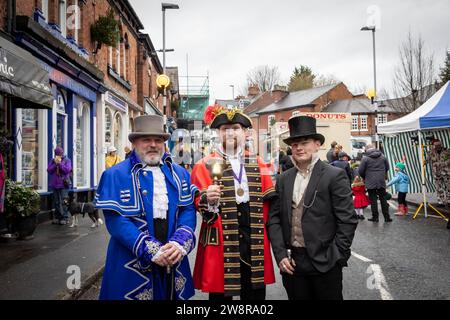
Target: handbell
x,y
216,166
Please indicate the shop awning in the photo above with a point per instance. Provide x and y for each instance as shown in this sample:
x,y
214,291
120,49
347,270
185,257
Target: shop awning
x,y
22,77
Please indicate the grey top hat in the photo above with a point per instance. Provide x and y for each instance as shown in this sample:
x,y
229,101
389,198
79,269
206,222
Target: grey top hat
x,y
148,125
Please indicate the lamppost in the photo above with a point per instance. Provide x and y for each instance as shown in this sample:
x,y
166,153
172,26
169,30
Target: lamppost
x,y
372,28
232,87
165,6
373,93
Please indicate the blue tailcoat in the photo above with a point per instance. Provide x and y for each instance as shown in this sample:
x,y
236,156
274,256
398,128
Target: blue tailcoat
x,y
125,194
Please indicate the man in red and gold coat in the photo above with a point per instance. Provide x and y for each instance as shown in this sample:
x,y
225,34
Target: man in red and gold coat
x,y
233,255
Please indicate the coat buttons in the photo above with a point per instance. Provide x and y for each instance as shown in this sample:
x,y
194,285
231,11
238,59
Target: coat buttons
x,y
241,236
239,214
145,173
225,216
227,237
144,192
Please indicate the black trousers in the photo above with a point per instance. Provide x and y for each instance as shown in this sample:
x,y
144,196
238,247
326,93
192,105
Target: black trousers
x,y
324,286
247,292
402,198
374,195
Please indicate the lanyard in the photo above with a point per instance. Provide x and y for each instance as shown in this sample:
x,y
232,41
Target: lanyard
x,y
239,179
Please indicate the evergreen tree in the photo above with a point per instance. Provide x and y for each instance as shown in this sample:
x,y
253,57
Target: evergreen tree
x,y
302,78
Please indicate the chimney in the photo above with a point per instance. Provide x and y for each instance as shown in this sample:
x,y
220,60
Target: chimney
x,y
253,91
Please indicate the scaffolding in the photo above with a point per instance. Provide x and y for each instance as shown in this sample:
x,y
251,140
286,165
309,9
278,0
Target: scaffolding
x,y
194,96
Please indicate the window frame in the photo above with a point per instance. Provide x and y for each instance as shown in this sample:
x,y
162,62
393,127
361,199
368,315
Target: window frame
x,y
85,108
42,119
365,122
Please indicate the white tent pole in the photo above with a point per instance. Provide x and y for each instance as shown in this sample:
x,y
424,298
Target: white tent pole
x,y
422,166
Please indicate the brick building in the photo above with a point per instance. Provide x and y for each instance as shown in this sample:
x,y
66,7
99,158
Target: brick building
x,y
279,106
86,95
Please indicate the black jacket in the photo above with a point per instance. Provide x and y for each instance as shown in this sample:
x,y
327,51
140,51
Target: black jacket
x,y
373,169
328,225
344,166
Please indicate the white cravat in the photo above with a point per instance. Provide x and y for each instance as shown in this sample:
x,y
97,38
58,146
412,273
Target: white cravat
x,y
160,198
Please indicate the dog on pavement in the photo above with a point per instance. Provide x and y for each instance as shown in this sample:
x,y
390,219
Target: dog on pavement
x,y
81,208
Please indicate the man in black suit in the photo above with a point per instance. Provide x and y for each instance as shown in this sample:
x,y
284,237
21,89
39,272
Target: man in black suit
x,y
312,221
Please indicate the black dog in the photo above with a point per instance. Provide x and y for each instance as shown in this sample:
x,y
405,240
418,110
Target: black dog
x,y
77,208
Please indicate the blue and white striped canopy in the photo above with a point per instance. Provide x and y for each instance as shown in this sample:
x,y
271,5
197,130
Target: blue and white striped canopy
x,y
433,114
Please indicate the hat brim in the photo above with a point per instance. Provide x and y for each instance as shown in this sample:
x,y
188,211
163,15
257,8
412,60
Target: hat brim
x,y
239,118
316,136
133,135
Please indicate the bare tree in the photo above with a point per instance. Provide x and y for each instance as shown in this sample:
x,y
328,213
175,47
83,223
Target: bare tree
x,y
265,77
321,80
414,77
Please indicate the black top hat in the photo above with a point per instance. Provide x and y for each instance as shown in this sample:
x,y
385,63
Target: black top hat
x,y
303,127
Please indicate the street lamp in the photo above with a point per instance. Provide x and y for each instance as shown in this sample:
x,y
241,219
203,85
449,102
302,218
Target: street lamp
x,y
372,28
232,87
165,6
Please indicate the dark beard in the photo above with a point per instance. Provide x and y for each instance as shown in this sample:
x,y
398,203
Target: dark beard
x,y
229,147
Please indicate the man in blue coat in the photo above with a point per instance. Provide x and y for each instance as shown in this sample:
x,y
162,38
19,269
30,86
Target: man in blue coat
x,y
149,211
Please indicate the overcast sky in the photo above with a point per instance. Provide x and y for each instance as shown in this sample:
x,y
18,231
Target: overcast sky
x,y
227,38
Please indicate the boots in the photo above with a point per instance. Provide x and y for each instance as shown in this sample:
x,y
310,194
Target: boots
x,y
405,209
400,210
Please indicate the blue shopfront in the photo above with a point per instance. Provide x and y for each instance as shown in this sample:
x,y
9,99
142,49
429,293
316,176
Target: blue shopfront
x,y
70,123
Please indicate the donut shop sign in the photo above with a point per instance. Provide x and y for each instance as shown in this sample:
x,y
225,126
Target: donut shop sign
x,y
329,116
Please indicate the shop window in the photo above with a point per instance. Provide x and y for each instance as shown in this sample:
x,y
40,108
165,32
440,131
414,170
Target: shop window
x,y
108,127
30,148
82,146
131,126
118,132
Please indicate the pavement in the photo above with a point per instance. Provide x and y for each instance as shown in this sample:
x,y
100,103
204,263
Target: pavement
x,y
416,199
46,267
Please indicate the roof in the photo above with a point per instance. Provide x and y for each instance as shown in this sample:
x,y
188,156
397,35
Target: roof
x,y
227,103
358,106
298,98
263,100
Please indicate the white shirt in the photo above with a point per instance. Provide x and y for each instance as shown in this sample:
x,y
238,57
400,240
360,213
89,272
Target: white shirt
x,y
160,198
301,181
